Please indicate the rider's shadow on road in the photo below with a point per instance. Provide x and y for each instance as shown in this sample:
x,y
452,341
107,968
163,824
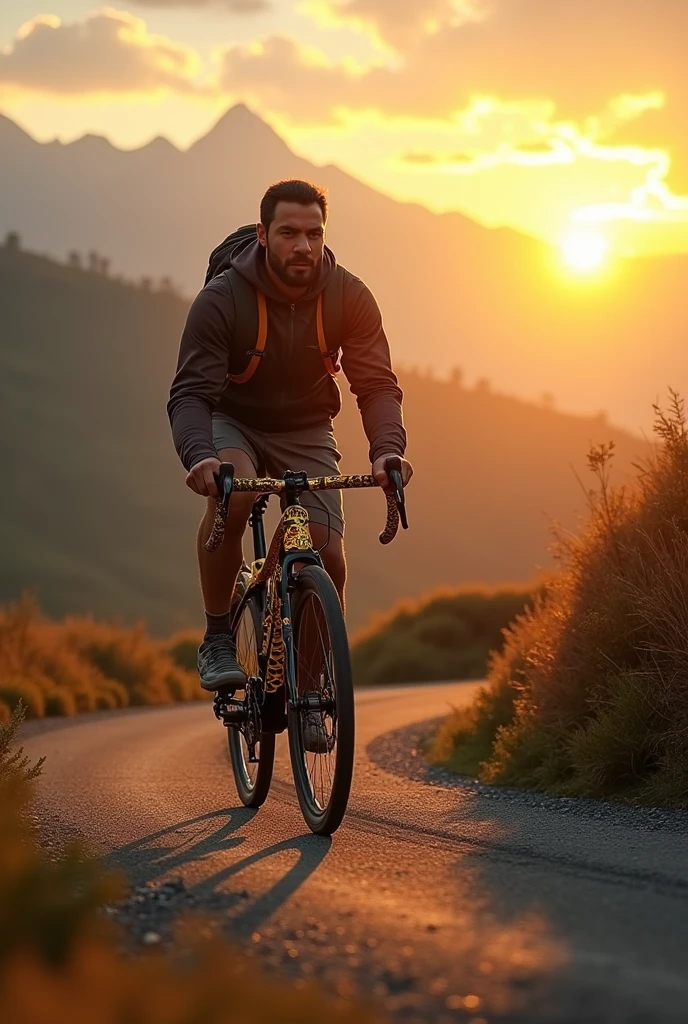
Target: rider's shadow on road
x,y
182,847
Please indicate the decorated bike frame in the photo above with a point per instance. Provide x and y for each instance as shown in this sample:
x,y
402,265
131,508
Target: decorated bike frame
x,y
273,577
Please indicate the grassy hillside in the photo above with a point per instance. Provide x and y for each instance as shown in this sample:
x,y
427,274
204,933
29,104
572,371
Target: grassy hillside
x,y
445,635
95,516
589,695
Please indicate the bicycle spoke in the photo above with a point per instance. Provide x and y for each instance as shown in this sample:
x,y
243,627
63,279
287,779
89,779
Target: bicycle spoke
x,y
252,773
321,727
247,657
315,677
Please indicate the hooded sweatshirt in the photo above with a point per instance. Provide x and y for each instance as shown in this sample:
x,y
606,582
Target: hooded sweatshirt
x,y
291,387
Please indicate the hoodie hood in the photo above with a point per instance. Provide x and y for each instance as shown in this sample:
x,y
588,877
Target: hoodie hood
x,y
248,259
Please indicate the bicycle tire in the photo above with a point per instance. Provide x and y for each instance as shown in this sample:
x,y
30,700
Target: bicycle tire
x,y
252,789
315,589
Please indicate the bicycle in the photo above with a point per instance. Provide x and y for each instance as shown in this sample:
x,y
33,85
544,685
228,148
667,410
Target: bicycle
x,y
292,644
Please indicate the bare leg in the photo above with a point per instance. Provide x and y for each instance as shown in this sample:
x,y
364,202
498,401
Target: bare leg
x,y
219,569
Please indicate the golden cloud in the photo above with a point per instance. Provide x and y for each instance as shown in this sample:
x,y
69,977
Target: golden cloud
x,y
108,52
316,86
233,6
398,23
577,55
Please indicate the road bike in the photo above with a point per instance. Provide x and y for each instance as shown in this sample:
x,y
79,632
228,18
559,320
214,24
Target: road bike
x,y
292,644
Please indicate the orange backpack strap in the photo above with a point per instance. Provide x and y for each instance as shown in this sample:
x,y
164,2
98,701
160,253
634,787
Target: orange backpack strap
x,y
258,352
329,357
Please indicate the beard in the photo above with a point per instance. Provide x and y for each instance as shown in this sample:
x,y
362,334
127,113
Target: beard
x,y
293,272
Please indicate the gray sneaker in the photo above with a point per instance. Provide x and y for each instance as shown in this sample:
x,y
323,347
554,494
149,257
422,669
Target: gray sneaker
x,y
217,663
315,738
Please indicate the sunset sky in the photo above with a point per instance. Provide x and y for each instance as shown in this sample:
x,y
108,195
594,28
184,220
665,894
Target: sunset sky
x,y
562,118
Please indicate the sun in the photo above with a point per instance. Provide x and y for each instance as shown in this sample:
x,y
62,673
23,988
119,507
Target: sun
x,y
584,251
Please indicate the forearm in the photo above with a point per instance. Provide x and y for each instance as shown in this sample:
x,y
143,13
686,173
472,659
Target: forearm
x,y
201,373
383,422
192,431
367,364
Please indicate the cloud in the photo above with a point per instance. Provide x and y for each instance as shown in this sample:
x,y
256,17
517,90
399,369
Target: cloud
x,y
233,6
577,56
304,85
108,52
441,54
395,23
284,76
565,144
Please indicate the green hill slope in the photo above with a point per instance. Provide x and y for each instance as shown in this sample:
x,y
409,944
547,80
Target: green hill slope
x,y
95,516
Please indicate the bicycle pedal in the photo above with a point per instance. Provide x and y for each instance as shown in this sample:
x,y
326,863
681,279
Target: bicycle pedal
x,y
234,716
229,711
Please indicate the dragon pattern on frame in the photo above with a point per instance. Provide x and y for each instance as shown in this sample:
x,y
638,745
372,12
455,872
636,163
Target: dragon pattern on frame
x,y
272,643
296,532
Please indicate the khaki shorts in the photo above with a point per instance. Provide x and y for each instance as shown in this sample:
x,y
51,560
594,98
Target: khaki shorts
x,y
312,449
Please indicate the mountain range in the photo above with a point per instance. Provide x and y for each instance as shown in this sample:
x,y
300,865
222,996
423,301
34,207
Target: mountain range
x,y
95,515
453,293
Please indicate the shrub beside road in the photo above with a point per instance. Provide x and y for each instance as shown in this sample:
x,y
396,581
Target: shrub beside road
x,y
589,696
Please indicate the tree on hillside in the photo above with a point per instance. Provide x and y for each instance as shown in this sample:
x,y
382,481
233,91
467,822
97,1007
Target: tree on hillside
x,y
167,286
97,264
13,241
74,260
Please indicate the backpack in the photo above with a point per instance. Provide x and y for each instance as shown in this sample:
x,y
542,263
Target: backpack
x,y
251,308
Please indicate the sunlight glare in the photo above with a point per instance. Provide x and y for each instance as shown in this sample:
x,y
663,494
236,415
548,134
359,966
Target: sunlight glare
x,y
584,251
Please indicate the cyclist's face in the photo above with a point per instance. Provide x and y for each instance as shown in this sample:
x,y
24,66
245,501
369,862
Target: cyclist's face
x,y
294,243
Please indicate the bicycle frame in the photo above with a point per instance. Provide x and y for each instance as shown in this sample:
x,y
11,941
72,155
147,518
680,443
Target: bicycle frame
x,y
276,657
274,568
280,693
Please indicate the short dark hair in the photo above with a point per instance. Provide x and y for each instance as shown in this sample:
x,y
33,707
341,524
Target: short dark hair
x,y
291,191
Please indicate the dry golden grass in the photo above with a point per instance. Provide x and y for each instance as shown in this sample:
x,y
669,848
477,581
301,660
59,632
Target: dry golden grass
x,y
63,668
592,683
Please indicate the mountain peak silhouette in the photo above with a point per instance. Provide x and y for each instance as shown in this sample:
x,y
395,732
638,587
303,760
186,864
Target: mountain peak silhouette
x,y
11,133
160,145
239,125
92,143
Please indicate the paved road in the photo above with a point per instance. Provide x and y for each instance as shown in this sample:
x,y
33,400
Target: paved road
x,y
448,902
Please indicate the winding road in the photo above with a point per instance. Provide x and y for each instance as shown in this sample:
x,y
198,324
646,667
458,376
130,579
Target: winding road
x,y
446,900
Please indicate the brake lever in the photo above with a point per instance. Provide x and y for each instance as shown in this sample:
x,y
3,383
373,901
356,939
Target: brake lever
x,y
224,480
393,471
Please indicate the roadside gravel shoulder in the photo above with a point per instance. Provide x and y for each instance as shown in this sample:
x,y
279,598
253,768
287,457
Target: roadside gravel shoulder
x,y
400,752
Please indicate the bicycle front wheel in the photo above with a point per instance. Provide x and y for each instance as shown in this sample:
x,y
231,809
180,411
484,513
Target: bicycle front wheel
x,y
321,730
252,776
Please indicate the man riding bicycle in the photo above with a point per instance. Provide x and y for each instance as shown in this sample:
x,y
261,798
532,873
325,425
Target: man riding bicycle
x,y
255,386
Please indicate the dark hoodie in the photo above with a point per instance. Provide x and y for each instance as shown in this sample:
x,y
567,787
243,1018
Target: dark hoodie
x,y
291,387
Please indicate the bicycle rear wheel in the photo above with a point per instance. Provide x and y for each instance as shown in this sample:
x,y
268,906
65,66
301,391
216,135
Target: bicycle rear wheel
x,y
252,778
321,733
